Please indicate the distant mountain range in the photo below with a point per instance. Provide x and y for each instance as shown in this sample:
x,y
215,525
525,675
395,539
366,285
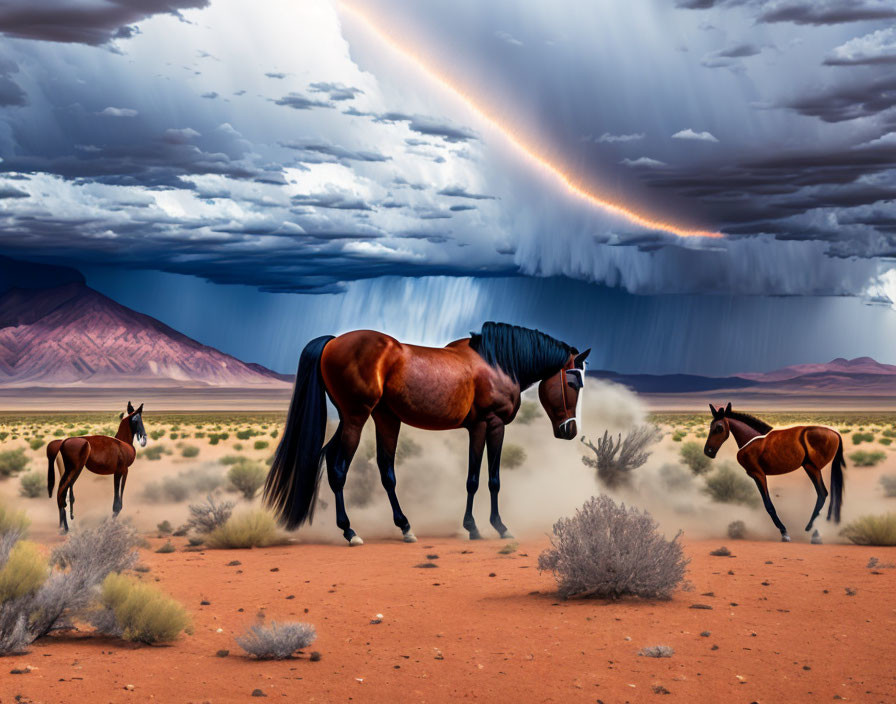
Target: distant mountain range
x,y
862,376
71,335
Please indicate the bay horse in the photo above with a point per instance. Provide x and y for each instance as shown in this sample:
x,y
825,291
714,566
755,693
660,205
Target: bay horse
x,y
472,383
765,451
100,454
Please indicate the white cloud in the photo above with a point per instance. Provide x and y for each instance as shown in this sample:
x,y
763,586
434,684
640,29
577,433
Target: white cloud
x,y
607,138
643,161
118,112
876,48
698,136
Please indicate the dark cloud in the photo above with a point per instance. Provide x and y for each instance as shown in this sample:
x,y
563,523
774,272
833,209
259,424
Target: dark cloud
x,y
861,96
425,125
90,22
824,12
297,101
726,58
11,192
461,192
211,95
461,207
334,201
335,91
315,152
275,74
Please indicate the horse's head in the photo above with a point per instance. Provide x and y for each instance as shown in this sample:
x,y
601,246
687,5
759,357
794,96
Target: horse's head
x,y
561,396
135,421
719,430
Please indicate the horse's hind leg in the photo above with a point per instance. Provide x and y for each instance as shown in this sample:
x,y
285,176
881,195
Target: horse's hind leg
x,y
762,485
60,500
116,499
387,427
71,501
820,490
339,453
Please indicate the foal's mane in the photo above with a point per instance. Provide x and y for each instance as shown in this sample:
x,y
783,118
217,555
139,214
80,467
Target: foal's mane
x,y
526,355
759,426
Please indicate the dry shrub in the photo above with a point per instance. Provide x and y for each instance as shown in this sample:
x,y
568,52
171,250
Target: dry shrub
x,y
42,600
138,612
512,456
872,530
888,482
250,529
693,456
861,458
737,530
610,551
209,514
247,477
657,651
276,641
32,485
616,460
13,521
728,485
12,462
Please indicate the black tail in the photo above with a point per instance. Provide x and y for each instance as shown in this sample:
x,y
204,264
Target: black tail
x,y
837,484
290,489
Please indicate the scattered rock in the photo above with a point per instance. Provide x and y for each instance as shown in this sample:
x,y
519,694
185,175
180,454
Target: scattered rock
x,y
426,565
806,667
222,653
700,606
291,596
275,569
657,651
237,563
850,591
492,574
205,602
706,634
659,689
715,647
432,557
258,693
129,687
708,594
315,656
721,552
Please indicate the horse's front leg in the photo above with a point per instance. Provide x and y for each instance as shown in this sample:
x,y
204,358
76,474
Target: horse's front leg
x,y
495,441
758,476
477,446
116,499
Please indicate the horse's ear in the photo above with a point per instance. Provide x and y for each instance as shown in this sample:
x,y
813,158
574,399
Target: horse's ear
x,y
728,408
580,359
140,410
130,408
712,410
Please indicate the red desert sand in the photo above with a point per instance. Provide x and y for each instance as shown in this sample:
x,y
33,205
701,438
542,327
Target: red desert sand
x,y
772,623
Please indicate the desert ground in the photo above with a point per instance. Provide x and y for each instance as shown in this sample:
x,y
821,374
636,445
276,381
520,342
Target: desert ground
x,y
785,622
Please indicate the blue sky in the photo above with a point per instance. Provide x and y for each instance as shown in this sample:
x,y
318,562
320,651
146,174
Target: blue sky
x,y
296,156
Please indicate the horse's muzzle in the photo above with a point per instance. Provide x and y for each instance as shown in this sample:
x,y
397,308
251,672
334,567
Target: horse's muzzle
x,y
566,430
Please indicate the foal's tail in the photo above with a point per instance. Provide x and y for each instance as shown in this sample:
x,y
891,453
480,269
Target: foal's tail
x,y
52,459
290,489
837,483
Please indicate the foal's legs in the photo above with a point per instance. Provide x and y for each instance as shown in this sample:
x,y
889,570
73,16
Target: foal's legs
x,y
71,501
494,439
387,427
339,453
822,493
477,446
60,499
759,477
124,479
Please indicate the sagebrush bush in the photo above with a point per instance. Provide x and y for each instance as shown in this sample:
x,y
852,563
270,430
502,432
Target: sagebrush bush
x,y
36,443
276,641
12,521
247,477
728,485
138,612
260,444
250,529
862,458
615,460
512,456
69,588
32,485
737,530
209,514
232,459
154,452
527,413
872,530
859,438
694,458
888,482
189,451
12,462
610,551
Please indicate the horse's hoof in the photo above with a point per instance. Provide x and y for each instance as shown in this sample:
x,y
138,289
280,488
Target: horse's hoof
x,y
785,538
816,538
356,540
409,537
475,535
506,535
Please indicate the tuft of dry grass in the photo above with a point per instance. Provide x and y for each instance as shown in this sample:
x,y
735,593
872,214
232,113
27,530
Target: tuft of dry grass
x,y
657,651
872,530
250,529
139,612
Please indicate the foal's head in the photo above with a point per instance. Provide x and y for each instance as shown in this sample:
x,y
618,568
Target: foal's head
x,y
719,430
561,393
134,419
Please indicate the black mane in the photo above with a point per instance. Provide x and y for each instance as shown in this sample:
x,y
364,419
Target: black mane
x,y
526,355
759,426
